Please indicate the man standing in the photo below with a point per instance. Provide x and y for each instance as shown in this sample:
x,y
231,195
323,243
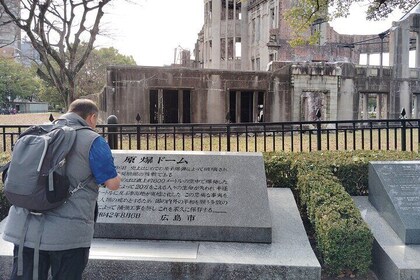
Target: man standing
x,y
64,234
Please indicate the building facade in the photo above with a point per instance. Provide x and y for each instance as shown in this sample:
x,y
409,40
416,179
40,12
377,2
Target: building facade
x,y
248,35
270,81
288,92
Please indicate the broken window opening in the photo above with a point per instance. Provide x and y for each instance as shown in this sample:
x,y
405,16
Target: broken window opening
x,y
374,104
272,18
246,106
257,29
310,103
210,50
260,107
238,48
222,48
153,106
231,13
231,114
170,106
253,30
186,112
164,106
230,48
208,11
238,9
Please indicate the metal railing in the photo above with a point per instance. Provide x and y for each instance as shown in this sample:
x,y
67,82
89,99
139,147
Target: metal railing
x,y
397,134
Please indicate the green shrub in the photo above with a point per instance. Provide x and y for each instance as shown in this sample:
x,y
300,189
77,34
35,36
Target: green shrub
x,y
323,182
343,239
351,167
344,243
310,175
278,170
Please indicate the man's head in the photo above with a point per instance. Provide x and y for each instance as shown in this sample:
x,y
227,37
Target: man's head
x,y
87,109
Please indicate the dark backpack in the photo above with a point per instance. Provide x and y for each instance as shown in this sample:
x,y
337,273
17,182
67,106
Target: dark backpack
x,y
35,177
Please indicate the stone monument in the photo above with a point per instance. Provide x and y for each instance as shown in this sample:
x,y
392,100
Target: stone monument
x,y
392,212
211,217
394,190
207,196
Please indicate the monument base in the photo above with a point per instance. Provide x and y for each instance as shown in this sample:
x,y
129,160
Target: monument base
x,y
392,259
289,256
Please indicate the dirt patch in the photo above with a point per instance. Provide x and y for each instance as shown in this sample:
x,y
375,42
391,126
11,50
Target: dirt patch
x,y
21,119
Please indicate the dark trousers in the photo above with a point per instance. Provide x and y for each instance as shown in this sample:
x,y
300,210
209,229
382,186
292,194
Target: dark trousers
x,y
65,265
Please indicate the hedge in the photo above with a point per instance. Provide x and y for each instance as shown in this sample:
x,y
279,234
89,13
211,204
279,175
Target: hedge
x,y
350,167
343,239
323,183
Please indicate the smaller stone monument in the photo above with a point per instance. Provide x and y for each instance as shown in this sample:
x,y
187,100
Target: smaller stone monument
x,y
196,196
394,190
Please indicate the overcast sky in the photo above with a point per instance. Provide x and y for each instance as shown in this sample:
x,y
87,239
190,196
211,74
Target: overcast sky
x,y
150,30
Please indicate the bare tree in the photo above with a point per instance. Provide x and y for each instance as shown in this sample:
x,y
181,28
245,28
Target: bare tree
x,y
304,13
57,29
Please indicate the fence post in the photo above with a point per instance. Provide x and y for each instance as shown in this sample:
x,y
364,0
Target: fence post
x,y
228,137
112,132
138,119
318,130
403,130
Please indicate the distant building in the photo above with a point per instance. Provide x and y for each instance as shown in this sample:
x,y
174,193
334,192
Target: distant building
x,y
28,54
10,34
12,45
30,107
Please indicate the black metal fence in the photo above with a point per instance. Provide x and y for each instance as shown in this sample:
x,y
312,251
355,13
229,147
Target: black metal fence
x,y
398,134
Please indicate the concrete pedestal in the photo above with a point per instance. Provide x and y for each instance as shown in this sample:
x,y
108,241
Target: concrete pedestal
x,y
392,259
289,256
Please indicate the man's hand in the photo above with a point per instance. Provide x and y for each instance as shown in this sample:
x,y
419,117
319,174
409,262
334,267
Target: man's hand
x,y
113,183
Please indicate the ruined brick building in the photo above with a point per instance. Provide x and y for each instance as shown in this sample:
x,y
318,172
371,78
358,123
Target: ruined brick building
x,y
248,35
244,69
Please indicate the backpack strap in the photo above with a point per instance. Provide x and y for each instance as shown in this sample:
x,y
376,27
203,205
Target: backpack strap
x,y
64,122
4,167
81,185
60,121
35,269
3,170
36,247
21,244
